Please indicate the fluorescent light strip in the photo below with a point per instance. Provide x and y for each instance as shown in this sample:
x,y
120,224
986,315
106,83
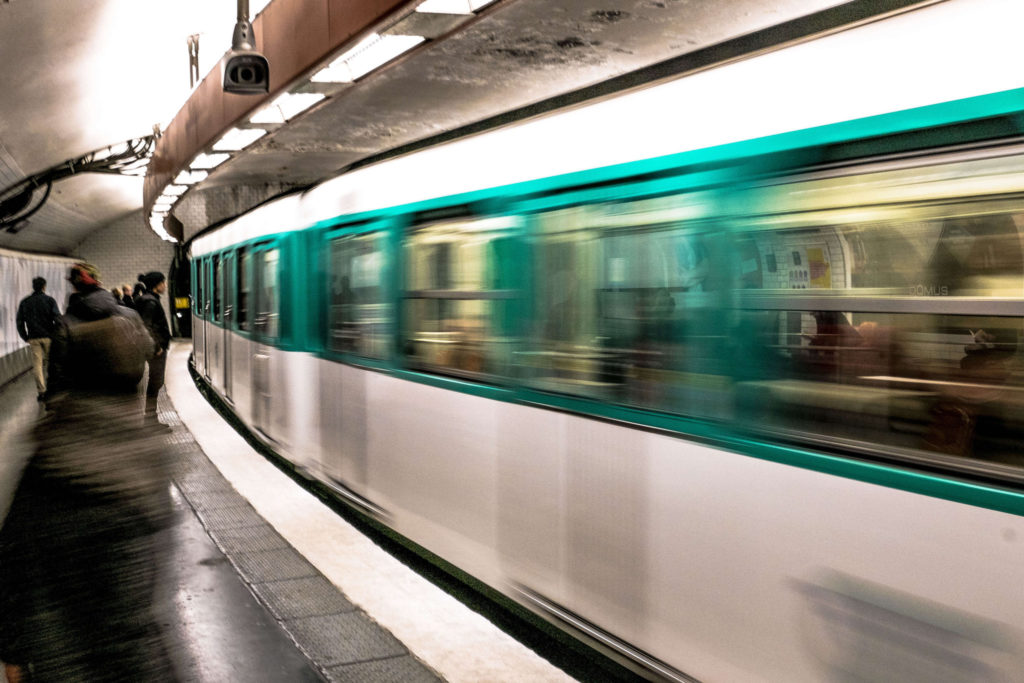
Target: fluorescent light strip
x,y
286,107
187,177
453,6
370,53
209,161
238,138
445,7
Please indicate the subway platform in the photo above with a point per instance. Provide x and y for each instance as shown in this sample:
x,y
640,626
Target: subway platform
x,y
269,584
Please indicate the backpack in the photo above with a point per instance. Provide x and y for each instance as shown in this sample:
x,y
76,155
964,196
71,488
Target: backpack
x,y
109,353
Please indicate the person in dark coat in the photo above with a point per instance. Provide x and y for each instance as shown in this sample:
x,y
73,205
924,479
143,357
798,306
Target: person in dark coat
x,y
126,296
79,547
152,311
37,320
139,290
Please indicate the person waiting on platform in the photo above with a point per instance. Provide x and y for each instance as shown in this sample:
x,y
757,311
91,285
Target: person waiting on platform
x,y
126,296
152,311
37,320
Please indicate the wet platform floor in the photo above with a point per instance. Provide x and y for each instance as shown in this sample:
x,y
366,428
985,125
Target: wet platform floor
x,y
270,585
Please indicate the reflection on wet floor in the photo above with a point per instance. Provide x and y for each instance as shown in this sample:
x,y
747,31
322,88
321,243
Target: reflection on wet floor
x,y
18,413
213,626
218,631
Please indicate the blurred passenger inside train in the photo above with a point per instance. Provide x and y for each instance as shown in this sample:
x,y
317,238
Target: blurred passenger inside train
x,y
37,320
79,546
975,415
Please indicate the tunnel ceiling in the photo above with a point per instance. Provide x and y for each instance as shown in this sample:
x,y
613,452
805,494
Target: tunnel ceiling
x,y
515,54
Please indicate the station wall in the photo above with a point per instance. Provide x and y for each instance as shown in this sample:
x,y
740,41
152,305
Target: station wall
x,y
124,249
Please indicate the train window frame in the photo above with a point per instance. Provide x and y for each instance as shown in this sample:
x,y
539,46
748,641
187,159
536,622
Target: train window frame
x,y
229,286
384,230
243,289
259,327
688,214
201,288
500,220
216,288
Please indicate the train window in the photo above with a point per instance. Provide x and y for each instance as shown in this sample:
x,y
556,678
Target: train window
x,y
266,288
899,326
229,288
460,298
243,264
217,290
950,384
360,316
201,288
626,297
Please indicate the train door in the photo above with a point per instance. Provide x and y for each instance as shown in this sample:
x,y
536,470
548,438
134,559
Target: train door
x,y
242,343
227,289
199,331
266,328
207,320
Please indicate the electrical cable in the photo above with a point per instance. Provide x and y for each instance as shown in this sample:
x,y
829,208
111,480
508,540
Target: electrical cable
x,y
16,199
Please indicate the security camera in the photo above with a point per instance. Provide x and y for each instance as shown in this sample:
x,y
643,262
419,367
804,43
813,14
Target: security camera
x,y
246,71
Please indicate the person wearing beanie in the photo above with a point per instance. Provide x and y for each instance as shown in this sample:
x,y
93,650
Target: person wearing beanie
x,y
152,311
89,301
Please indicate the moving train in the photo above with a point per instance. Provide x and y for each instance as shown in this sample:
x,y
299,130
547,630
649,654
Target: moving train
x,y
733,391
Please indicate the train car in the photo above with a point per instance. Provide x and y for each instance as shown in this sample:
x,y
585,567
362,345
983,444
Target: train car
x,y
732,390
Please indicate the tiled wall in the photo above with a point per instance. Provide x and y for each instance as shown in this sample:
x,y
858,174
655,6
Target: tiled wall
x,y
125,249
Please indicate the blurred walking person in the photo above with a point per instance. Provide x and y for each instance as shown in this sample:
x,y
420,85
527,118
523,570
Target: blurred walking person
x,y
80,547
38,318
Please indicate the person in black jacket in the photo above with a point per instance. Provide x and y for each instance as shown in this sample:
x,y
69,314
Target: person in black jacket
x,y
152,311
139,290
80,547
38,318
126,296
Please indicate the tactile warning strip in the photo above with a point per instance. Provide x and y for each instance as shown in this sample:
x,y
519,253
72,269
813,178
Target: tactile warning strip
x,y
339,638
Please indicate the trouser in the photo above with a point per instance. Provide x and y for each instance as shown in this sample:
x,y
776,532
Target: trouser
x,y
157,364
40,360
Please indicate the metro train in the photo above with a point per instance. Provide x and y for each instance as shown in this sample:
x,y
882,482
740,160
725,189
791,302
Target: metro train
x,y
734,393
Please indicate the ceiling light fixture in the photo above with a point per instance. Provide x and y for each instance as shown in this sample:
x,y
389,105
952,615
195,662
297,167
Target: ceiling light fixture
x,y
452,6
188,177
286,107
238,138
370,53
209,161
445,7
